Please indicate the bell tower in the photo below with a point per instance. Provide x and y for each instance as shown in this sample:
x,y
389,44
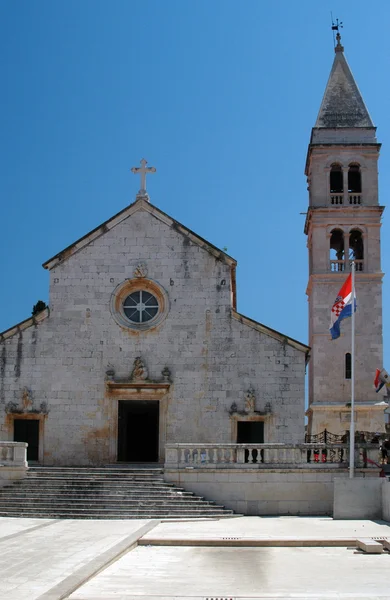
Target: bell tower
x,y
343,223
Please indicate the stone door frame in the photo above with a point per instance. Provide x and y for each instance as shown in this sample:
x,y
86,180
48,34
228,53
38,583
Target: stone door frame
x,y
11,417
137,391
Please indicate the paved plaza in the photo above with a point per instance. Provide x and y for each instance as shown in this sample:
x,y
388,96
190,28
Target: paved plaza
x,y
244,557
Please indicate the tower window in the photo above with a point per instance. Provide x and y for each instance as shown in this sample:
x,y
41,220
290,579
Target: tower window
x,y
336,179
337,250
356,248
348,366
354,179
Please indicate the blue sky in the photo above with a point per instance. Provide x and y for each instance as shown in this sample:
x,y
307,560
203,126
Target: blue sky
x,y
219,95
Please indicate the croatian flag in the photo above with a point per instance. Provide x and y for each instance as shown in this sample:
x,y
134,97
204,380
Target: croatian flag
x,y
342,307
381,379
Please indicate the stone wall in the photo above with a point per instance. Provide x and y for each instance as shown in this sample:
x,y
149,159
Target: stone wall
x,y
358,498
266,492
386,500
213,357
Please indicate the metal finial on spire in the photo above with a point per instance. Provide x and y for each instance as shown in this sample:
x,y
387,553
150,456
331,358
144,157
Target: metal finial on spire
x,y
143,170
336,26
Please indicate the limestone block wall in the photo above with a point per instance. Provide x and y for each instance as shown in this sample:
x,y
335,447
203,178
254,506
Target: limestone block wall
x,y
386,500
359,498
265,492
328,356
213,357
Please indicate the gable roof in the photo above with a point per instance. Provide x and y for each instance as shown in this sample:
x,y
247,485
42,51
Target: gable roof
x,y
140,204
284,339
342,104
19,327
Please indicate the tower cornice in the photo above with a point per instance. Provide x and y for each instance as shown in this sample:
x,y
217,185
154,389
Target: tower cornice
x,y
339,213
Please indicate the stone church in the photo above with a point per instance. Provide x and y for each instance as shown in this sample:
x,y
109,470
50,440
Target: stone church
x,y
142,344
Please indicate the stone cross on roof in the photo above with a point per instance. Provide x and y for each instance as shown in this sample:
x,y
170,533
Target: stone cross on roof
x,y
143,170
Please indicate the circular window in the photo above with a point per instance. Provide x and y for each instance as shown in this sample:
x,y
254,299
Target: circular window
x,y
140,307
139,304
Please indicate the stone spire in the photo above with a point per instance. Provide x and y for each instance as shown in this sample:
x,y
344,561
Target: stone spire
x,y
342,104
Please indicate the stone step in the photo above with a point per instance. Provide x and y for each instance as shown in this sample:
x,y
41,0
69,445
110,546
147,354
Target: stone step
x,y
80,501
150,481
103,471
88,493
125,489
117,495
98,479
173,517
153,512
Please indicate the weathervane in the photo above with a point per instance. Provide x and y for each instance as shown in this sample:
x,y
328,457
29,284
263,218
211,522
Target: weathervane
x,y
336,26
143,170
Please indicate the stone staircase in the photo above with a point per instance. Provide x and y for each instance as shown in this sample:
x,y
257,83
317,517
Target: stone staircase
x,y
102,493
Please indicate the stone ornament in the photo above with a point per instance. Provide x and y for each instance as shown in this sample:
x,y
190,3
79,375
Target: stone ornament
x,y
140,270
250,399
26,405
26,400
166,373
110,372
139,372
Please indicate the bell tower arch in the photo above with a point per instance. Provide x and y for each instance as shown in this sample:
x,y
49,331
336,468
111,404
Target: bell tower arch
x,y
343,223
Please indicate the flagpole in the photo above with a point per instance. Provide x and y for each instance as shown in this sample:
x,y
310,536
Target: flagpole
x,y
352,428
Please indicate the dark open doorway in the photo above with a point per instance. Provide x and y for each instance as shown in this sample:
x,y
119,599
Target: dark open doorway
x,y
138,425
27,430
250,432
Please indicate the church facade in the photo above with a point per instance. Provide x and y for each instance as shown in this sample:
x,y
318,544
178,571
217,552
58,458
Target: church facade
x,y
141,346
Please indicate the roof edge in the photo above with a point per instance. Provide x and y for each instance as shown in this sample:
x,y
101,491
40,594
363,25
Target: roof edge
x,y
273,333
139,204
19,327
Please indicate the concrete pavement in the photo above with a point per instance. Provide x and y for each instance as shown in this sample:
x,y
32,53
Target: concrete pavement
x,y
43,559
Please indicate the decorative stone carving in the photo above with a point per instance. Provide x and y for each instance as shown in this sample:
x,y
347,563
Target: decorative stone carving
x,y
250,400
12,407
26,405
166,373
139,372
26,400
233,408
110,372
140,270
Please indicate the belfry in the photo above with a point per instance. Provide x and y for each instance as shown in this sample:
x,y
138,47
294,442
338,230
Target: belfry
x,y
343,225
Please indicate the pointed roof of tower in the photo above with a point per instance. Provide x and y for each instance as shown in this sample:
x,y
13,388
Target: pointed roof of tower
x,y
342,104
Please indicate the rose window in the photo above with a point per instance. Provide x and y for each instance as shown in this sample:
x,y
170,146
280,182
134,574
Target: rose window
x,y
140,306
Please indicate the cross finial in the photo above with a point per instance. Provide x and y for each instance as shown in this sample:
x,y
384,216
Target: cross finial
x,y
143,170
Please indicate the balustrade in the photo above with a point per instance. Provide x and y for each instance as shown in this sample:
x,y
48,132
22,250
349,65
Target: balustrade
x,y
336,198
337,266
355,198
359,265
269,455
13,454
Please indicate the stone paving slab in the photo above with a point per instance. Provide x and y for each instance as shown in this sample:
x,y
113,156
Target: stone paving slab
x,y
266,530
50,562
11,527
160,573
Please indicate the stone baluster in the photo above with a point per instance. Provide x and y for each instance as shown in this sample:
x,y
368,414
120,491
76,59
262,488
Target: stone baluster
x,y
240,455
250,455
266,456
